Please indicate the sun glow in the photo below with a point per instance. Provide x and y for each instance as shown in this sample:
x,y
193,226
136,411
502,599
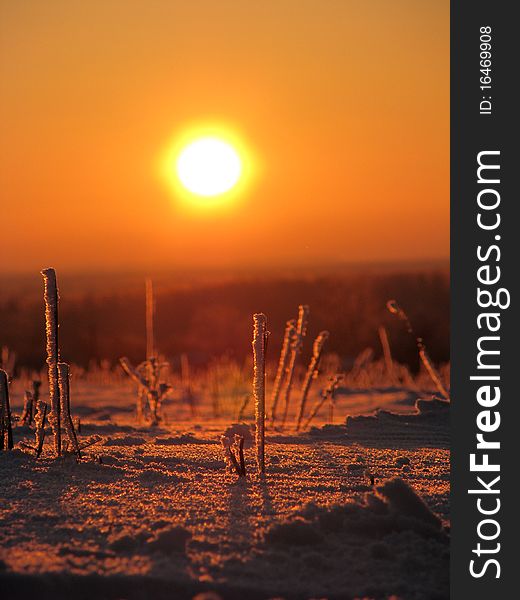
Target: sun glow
x,y
209,167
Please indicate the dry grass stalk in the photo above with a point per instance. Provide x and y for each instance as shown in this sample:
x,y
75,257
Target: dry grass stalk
x,y
51,329
290,331
312,371
259,341
150,312
39,419
387,353
395,309
296,347
326,394
239,445
6,431
64,386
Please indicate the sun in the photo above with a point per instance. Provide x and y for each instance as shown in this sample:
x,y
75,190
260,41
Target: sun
x,y
209,166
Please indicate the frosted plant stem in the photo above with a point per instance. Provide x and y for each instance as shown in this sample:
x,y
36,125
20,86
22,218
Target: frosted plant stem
x,y
290,330
317,351
51,329
432,371
259,340
296,346
241,456
64,386
395,309
39,419
6,432
385,344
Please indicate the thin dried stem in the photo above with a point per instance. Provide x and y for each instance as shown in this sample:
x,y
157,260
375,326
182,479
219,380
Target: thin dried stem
x,y
312,370
395,309
290,331
6,431
64,385
239,441
387,353
259,341
51,329
39,419
296,347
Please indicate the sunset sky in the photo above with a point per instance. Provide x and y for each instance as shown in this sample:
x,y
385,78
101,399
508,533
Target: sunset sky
x,y
341,106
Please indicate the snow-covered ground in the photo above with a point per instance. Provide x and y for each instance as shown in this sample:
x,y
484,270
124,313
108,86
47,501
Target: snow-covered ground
x,y
153,512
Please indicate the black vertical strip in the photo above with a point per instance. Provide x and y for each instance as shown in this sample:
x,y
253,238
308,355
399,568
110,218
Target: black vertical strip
x,y
472,133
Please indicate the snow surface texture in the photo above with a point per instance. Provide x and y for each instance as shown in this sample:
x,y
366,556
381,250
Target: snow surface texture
x,y
153,513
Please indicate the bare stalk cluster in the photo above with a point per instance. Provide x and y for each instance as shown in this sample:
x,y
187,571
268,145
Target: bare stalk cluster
x,y
150,393
59,383
295,332
395,309
260,335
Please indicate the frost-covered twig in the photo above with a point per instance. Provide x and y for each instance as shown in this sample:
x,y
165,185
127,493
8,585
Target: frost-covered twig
x,y
296,347
326,394
239,444
64,385
387,354
259,340
6,432
39,419
290,330
312,370
395,309
51,329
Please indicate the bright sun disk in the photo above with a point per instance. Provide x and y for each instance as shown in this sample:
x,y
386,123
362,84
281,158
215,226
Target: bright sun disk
x,y
209,167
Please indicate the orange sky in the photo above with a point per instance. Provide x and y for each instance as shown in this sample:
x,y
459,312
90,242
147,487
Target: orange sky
x,y
344,105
